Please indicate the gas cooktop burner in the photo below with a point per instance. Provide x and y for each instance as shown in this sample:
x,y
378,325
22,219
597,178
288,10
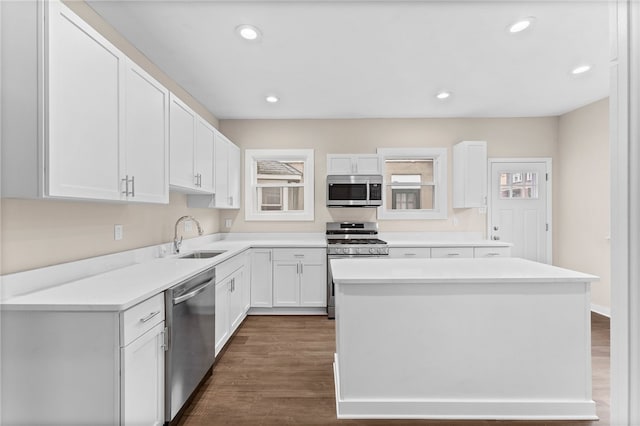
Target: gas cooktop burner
x,y
355,241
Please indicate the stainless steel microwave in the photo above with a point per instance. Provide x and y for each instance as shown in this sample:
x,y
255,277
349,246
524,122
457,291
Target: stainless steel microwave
x,y
354,190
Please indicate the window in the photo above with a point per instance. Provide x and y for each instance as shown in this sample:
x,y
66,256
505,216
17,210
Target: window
x,y
414,183
279,184
519,185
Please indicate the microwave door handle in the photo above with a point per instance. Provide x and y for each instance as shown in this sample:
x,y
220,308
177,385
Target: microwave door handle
x,y
368,192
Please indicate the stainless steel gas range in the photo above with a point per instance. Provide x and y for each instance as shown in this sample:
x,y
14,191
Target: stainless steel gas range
x,y
350,239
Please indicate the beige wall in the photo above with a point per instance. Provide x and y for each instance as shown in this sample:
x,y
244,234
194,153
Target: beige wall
x,y
582,203
39,233
506,137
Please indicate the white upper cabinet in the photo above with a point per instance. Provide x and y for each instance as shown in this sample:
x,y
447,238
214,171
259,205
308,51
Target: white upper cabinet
x,y
70,129
353,164
227,172
470,174
226,177
191,142
204,154
144,174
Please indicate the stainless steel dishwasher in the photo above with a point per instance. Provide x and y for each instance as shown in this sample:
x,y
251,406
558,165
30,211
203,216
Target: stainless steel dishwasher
x,y
190,316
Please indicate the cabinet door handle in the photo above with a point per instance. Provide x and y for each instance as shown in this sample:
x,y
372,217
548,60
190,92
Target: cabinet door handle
x,y
133,186
165,339
301,269
148,317
270,255
126,185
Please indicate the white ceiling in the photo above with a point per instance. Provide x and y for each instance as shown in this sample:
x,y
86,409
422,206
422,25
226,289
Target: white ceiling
x,y
345,59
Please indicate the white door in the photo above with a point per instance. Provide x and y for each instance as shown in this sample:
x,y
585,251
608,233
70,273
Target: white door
x,y
520,206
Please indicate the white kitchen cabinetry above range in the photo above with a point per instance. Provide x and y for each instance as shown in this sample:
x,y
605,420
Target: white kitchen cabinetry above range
x,y
78,367
470,174
353,164
77,113
191,141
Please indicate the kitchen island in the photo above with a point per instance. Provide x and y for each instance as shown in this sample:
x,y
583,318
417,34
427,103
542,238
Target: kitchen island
x,y
500,338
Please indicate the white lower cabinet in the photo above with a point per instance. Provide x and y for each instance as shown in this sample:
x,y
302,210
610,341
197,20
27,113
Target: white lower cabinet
x,y
142,382
84,367
299,277
261,278
410,252
232,290
492,252
451,252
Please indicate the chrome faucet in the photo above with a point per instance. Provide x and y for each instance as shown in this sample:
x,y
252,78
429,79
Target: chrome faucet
x,y
177,243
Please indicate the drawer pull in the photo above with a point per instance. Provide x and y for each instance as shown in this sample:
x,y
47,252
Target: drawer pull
x,y
298,255
492,254
453,254
148,317
410,254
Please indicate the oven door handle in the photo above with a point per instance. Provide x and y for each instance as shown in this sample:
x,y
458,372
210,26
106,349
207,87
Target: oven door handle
x,y
191,294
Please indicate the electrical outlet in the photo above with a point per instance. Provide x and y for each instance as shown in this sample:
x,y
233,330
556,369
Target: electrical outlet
x,y
118,232
227,223
188,226
455,220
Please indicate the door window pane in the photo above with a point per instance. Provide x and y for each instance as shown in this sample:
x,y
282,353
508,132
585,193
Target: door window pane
x,y
519,185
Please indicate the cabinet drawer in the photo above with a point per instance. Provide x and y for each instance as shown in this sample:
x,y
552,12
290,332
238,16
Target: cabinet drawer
x,y
452,252
410,252
492,252
139,319
228,267
309,256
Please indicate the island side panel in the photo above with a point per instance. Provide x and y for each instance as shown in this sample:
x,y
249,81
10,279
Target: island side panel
x,y
503,342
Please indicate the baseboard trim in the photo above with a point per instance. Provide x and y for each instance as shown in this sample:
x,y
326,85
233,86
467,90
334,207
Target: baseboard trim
x,y
602,310
287,311
460,409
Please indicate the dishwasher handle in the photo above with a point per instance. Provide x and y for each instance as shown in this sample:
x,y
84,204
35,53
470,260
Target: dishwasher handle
x,y
192,294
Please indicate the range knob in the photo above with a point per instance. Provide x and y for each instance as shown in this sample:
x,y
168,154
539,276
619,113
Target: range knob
x,y
358,250
372,250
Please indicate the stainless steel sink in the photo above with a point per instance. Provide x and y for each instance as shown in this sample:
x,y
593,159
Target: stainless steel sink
x,y
201,254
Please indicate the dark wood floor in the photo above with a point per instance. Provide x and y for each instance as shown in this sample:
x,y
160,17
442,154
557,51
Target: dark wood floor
x,y
277,370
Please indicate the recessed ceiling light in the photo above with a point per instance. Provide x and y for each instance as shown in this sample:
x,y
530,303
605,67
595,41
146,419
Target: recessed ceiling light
x,y
248,32
272,99
580,69
443,94
521,25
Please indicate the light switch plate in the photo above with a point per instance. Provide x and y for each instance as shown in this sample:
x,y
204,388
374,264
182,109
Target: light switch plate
x,y
118,232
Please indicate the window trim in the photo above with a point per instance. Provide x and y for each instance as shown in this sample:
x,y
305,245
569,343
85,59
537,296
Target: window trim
x,y
441,208
251,212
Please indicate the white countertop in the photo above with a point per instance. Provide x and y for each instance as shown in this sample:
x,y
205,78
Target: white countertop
x,y
122,286
416,271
